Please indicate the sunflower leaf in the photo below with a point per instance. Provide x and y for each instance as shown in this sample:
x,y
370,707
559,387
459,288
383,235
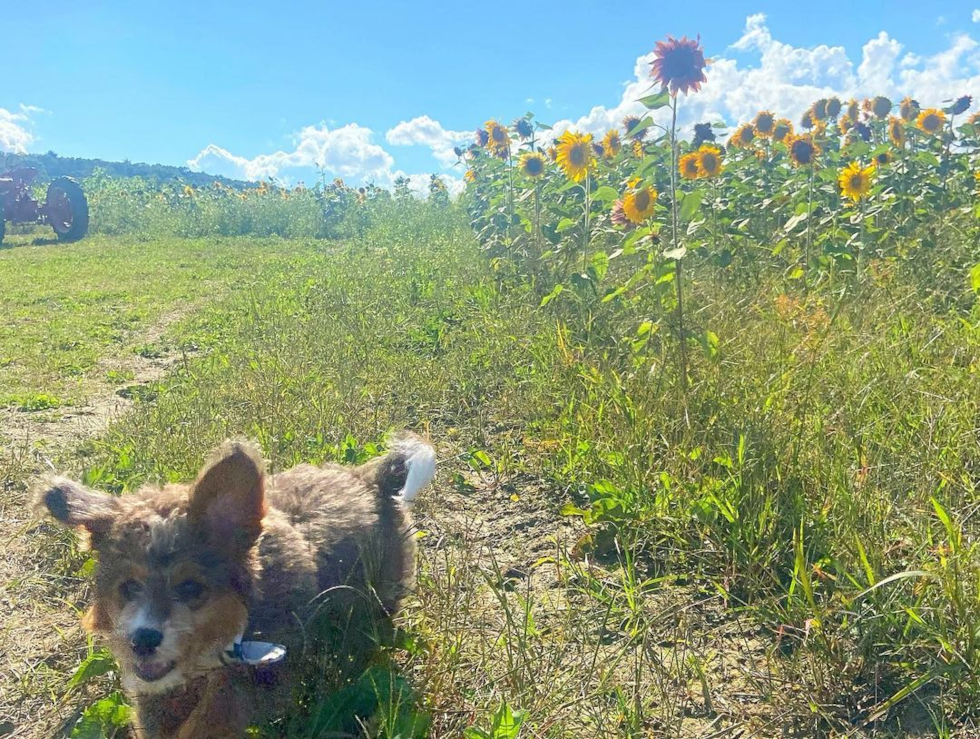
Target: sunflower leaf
x,y
655,102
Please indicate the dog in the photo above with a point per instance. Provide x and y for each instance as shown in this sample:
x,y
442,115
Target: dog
x,y
185,572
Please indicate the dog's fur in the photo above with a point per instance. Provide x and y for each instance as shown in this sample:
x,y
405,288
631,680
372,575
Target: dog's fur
x,y
239,550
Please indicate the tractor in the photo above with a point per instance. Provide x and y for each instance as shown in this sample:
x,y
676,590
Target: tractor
x,y
65,208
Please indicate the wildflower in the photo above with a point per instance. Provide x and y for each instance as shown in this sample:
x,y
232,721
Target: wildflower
x,y
639,204
611,143
881,106
688,166
523,128
802,151
896,131
908,109
575,155
782,130
499,139
764,124
855,182
833,107
743,136
961,105
709,161
679,65
703,133
931,121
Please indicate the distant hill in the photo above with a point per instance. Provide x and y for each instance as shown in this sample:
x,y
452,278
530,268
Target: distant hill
x,y
51,166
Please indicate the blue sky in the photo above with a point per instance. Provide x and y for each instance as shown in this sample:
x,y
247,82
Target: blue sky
x,y
373,89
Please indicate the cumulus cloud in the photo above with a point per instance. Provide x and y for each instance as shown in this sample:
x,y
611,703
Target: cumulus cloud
x,y
976,15
424,131
15,129
760,72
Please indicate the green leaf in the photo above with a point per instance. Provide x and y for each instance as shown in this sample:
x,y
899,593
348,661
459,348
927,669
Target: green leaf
x,y
710,344
655,102
606,194
555,292
690,205
975,278
96,664
599,264
564,224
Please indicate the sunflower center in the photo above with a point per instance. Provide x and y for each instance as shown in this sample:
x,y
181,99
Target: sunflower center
x,y
576,155
642,200
709,162
534,166
857,182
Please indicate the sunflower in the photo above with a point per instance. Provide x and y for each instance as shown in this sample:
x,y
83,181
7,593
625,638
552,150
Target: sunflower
x,y
974,120
743,136
908,109
709,161
575,155
802,151
807,120
961,105
688,166
470,175
611,143
845,124
931,120
764,124
885,157
833,107
881,106
819,110
532,164
782,130
853,109
630,123
638,151
482,137
523,128
896,131
638,205
553,153
855,182
499,139
679,65
703,133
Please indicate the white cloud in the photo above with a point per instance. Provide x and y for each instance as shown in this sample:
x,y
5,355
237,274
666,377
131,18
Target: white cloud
x,y
15,129
976,16
427,132
761,72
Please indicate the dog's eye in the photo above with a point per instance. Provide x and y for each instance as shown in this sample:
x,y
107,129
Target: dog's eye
x,y
130,589
189,590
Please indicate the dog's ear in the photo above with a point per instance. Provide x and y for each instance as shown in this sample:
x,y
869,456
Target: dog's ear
x,y
75,505
228,499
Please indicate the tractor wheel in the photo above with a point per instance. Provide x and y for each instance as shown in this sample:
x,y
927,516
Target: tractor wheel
x,y
67,209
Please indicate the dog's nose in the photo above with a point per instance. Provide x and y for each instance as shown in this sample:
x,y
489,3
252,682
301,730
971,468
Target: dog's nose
x,y
145,641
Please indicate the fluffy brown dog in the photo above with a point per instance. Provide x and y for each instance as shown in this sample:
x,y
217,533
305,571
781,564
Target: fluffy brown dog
x,y
185,570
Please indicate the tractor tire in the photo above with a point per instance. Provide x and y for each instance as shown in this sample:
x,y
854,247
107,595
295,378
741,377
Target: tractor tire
x,y
67,209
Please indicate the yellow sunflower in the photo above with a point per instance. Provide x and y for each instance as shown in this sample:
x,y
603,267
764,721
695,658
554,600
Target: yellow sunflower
x,y
611,144
908,109
896,131
855,181
709,161
818,111
931,121
802,151
638,205
498,138
845,124
470,175
743,136
881,106
833,107
885,157
688,166
575,155
638,150
782,130
764,124
532,164
853,109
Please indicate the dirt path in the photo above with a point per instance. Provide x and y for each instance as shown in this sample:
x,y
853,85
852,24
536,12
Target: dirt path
x,y
40,637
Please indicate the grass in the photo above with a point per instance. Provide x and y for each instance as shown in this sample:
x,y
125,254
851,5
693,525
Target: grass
x,y
786,547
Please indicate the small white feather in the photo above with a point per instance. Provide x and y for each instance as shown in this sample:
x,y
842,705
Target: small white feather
x,y
420,458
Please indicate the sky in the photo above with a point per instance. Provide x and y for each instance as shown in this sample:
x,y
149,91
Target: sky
x,y
371,91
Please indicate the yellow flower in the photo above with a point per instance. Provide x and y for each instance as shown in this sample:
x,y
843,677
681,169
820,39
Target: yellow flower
x,y
188,190
575,155
802,151
908,109
855,181
611,144
470,175
764,124
638,205
845,124
896,131
689,166
853,110
709,161
931,121
881,106
885,157
498,138
782,130
638,150
532,164
743,136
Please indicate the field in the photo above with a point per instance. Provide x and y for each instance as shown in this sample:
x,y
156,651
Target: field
x,y
707,430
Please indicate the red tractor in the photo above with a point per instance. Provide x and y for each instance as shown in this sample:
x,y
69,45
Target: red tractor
x,y
65,208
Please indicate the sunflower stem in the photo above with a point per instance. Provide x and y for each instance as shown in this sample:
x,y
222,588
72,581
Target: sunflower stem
x,y
809,236
678,270
585,233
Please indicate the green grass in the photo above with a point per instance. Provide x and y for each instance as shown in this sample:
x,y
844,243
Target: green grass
x,y
787,546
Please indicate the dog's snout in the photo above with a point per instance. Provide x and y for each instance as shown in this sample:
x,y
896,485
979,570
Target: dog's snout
x,y
145,641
